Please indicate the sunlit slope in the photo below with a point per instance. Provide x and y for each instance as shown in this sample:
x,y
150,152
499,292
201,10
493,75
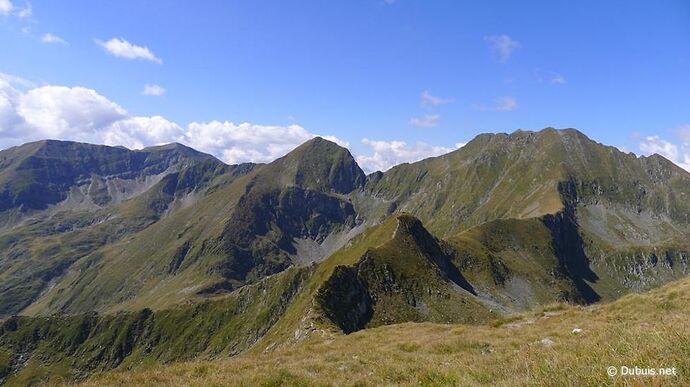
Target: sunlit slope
x,y
517,220
555,345
54,348
37,247
392,273
531,174
217,230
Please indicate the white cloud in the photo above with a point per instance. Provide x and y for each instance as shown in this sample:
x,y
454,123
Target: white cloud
x,y
654,144
502,45
81,114
506,104
390,153
25,12
428,121
140,132
67,110
679,155
501,104
123,49
153,90
235,143
9,118
6,7
430,100
50,38
549,77
557,80
684,133
17,81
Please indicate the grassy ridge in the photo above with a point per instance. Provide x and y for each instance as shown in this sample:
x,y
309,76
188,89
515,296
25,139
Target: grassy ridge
x,y
645,330
210,227
50,349
528,219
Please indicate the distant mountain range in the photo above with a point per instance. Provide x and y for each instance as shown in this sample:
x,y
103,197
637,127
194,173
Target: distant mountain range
x,y
204,258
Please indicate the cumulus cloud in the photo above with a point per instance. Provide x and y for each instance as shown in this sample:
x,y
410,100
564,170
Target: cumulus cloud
x,y
501,104
6,7
15,80
153,90
50,38
121,48
9,99
680,155
654,144
140,132
428,121
29,113
25,12
82,114
235,143
67,110
431,100
390,153
502,45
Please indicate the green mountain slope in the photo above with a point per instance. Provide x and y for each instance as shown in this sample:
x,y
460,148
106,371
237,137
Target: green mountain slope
x,y
206,229
554,345
530,174
123,230
36,175
106,194
183,256
70,347
392,273
627,217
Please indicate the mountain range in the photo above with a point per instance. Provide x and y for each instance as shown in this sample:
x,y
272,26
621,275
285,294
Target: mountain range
x,y
112,257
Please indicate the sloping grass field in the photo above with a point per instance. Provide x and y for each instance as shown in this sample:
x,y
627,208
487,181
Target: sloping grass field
x,y
560,345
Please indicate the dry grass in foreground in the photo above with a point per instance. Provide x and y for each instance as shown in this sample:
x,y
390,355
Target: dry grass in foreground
x,y
643,330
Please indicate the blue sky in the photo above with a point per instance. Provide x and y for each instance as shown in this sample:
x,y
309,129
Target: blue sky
x,y
393,80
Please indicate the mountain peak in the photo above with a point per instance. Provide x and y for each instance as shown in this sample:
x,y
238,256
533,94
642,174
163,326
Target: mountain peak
x,y
320,164
319,144
38,174
179,149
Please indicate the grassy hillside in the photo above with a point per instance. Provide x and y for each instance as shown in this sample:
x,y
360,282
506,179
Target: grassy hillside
x,y
393,273
206,228
55,348
126,230
531,174
204,260
540,347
